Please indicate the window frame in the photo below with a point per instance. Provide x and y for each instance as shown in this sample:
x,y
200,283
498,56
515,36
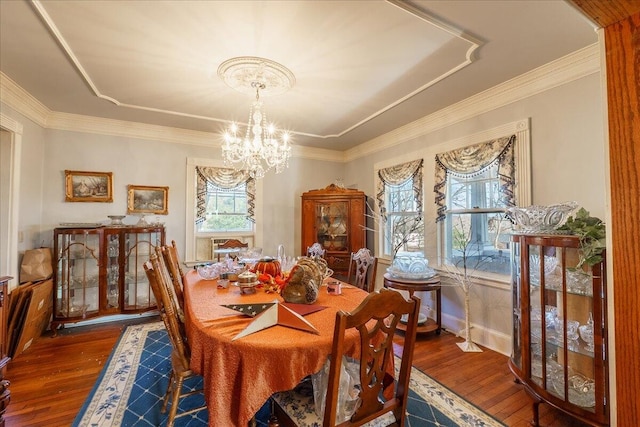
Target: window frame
x,y
387,245
522,189
236,194
191,235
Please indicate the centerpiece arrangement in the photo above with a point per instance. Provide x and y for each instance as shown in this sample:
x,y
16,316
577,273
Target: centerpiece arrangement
x,y
300,285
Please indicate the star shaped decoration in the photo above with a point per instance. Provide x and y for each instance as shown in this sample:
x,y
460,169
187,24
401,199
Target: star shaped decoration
x,y
250,309
271,314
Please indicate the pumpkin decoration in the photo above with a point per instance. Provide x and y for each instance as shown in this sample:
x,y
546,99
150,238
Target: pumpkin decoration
x,y
267,265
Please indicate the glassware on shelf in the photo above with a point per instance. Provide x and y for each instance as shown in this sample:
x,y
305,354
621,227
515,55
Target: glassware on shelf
x,y
550,264
550,315
586,333
581,389
572,329
579,282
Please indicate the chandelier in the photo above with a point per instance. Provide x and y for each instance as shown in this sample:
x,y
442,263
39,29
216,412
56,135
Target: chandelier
x,y
260,147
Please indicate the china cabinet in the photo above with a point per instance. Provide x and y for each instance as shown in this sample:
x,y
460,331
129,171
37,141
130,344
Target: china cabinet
x,y
99,271
5,393
335,218
560,327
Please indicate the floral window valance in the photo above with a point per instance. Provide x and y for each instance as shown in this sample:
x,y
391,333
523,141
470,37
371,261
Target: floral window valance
x,y
474,160
223,179
396,175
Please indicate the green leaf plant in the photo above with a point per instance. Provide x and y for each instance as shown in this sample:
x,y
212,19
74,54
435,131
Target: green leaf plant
x,y
592,233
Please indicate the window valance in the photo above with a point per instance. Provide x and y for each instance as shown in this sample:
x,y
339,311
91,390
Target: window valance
x,y
223,179
474,160
399,174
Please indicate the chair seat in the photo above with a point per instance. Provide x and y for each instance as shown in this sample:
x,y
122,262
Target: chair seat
x,y
300,408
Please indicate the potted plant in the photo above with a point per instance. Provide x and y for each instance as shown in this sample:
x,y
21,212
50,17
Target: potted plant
x,y
592,233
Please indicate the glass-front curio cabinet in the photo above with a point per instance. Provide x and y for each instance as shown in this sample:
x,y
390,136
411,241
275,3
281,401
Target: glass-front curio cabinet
x,y
560,327
99,271
335,218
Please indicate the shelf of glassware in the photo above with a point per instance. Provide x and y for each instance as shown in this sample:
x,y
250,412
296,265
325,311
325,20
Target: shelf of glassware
x,y
570,331
77,274
127,288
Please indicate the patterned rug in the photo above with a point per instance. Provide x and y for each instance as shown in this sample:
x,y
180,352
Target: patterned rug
x,y
130,388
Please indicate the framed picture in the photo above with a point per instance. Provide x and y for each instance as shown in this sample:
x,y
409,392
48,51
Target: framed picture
x,y
145,199
88,186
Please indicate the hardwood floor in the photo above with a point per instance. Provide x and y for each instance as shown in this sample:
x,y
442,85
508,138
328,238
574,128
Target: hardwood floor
x,y
50,381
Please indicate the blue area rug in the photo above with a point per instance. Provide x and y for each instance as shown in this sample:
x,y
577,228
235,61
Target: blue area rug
x,y
130,388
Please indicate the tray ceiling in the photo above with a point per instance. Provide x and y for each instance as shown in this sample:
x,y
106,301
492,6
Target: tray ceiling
x,y
362,68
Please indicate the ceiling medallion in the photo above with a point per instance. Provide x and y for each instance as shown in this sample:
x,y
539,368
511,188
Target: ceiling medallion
x,y
242,72
262,147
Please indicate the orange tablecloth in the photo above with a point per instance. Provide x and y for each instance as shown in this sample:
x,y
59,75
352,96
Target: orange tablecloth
x,y
239,376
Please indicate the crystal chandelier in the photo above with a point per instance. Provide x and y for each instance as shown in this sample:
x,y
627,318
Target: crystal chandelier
x,y
260,147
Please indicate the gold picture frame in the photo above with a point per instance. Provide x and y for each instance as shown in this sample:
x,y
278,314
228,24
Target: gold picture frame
x,y
146,199
82,186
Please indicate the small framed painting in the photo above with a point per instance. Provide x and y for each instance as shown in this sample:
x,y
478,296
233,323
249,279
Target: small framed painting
x,y
88,186
145,199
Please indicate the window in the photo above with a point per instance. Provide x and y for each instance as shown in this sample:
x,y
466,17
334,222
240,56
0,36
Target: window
x,y
226,210
475,225
473,186
225,200
404,228
399,199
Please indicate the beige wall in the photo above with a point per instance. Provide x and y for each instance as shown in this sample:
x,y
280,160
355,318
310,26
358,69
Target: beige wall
x,y
568,164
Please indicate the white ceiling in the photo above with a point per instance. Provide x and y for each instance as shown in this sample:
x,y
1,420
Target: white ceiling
x,y
362,68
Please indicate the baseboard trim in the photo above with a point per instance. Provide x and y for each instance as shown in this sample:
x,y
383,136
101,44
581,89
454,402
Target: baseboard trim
x,y
490,338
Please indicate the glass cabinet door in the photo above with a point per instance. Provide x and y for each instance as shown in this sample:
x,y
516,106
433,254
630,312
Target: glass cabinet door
x,y
138,246
77,274
516,355
113,270
562,325
332,221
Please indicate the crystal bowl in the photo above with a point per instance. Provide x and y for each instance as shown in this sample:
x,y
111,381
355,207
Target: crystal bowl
x,y
209,271
116,219
550,264
413,267
586,333
540,219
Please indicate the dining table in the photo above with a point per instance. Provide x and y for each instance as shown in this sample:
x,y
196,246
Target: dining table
x,y
240,374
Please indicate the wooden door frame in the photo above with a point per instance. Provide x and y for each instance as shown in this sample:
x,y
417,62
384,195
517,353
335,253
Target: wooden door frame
x,y
620,20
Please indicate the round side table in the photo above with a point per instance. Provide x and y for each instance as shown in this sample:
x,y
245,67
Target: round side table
x,y
421,285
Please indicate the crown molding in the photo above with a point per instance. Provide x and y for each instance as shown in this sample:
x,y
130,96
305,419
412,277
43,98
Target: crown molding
x,y
111,127
571,67
564,70
22,101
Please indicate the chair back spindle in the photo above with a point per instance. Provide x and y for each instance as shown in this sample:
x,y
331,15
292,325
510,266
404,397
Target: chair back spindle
x,y
169,254
362,270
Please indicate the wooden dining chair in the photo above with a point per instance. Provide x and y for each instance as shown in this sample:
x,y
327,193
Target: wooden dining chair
x,y
180,354
315,250
362,270
375,320
232,244
171,259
